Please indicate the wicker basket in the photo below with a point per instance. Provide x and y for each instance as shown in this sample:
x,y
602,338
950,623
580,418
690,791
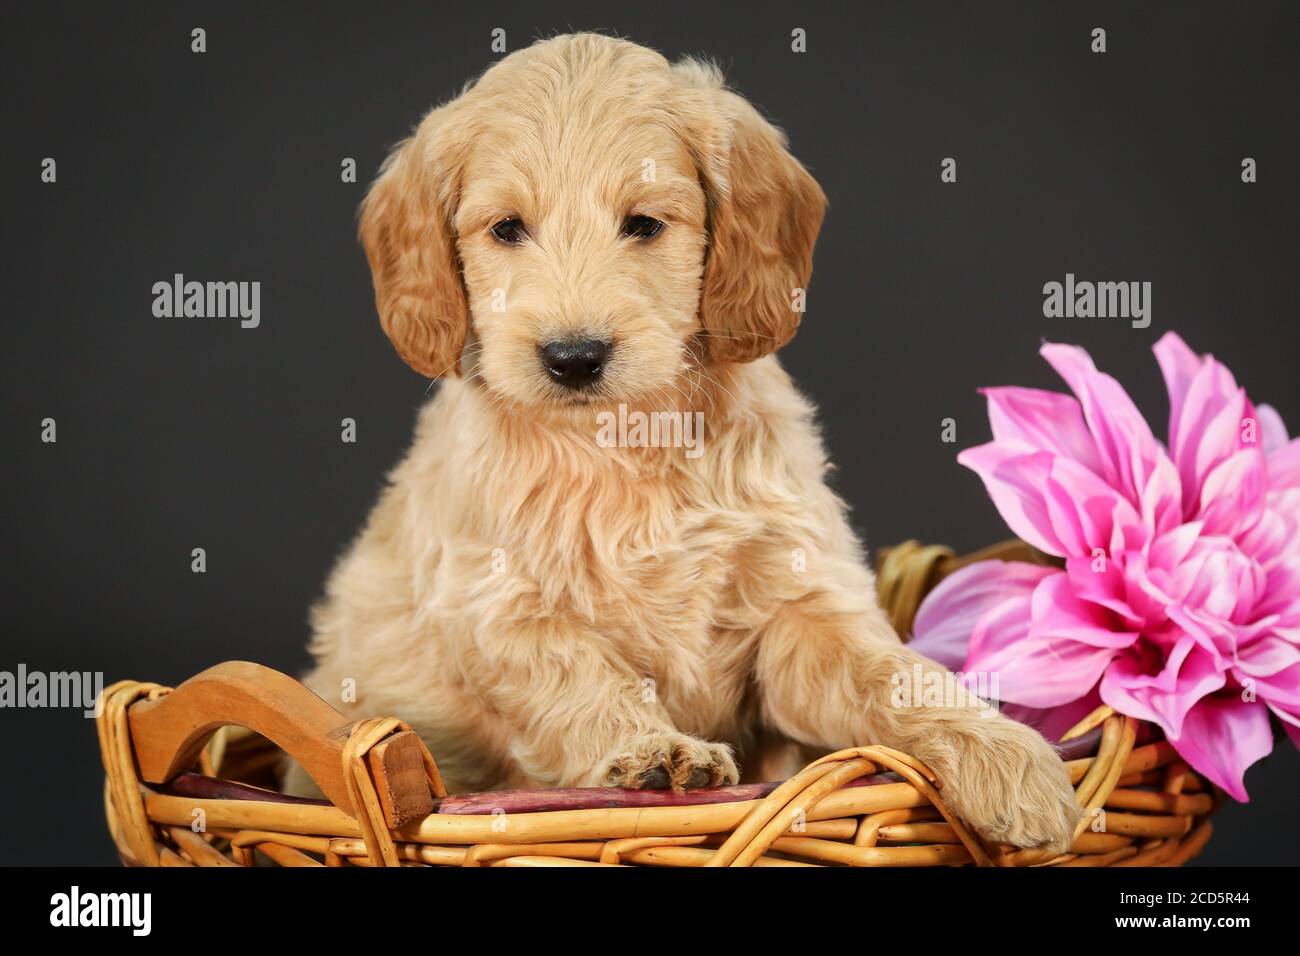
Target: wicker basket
x,y
186,788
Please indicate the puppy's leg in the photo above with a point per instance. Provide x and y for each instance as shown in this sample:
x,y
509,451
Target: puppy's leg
x,y
581,715
827,668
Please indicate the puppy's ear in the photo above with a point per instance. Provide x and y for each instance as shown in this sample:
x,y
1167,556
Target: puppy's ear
x,y
405,227
765,210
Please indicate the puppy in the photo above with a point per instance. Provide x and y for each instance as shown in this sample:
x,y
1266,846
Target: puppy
x,y
588,231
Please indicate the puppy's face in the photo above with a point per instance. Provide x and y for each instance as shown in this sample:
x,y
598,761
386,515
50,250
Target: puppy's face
x,y
581,242
586,224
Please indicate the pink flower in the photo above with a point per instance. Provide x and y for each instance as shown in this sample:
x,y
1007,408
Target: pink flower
x,y
1179,600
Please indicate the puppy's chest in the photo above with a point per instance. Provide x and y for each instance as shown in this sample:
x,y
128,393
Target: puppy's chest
x,y
659,572
640,560
671,612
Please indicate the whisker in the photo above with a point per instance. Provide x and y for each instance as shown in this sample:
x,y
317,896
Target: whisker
x,y
716,383
750,335
467,351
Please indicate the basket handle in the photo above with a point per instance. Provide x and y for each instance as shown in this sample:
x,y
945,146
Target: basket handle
x,y
168,732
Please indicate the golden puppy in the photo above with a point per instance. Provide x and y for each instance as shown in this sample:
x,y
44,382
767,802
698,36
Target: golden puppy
x,y
590,234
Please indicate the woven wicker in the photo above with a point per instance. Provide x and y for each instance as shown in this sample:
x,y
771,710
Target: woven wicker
x,y
184,788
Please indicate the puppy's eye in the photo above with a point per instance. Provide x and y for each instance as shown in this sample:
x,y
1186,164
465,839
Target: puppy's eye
x,y
641,227
511,231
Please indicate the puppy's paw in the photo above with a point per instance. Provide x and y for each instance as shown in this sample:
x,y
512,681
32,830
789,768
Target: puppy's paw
x,y
660,761
1008,783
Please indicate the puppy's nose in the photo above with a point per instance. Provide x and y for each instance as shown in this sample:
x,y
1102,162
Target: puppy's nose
x,y
575,362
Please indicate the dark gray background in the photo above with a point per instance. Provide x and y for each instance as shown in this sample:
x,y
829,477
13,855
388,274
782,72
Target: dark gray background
x,y
183,433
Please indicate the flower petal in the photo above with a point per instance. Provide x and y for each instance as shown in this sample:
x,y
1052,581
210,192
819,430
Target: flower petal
x,y
1058,614
1272,430
1162,687
1233,493
1046,665
1046,421
1102,581
1162,498
1084,511
1128,449
1275,663
1222,736
1284,465
1208,430
1015,477
1179,365
950,612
